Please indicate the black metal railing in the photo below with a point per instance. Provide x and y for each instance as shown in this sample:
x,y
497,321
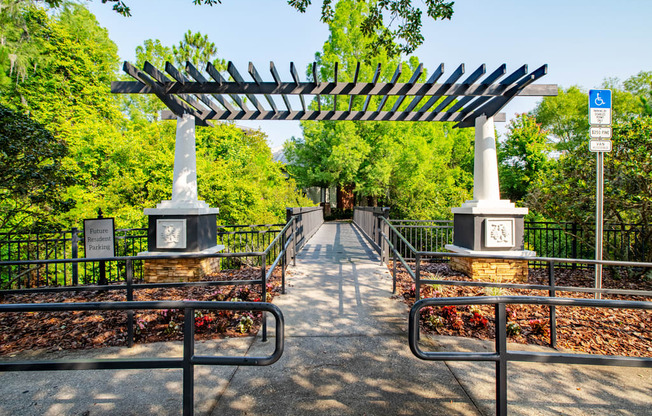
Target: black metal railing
x,y
393,236
307,222
368,219
283,244
622,242
502,356
64,245
427,235
187,362
247,239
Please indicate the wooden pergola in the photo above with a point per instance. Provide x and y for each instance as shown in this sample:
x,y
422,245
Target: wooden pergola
x,y
454,98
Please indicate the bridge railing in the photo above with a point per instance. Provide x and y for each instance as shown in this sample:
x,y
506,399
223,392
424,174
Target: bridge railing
x,y
186,363
307,222
502,356
393,237
277,253
369,220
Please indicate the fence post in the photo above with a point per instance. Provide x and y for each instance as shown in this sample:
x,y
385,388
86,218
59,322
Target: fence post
x,y
75,254
283,261
501,364
394,262
574,245
417,276
385,229
130,297
294,242
263,261
553,308
188,367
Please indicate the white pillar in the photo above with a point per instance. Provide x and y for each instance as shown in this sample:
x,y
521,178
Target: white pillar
x,y
485,170
184,182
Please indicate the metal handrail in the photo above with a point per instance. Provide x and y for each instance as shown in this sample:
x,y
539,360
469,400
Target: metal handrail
x,y
186,363
501,356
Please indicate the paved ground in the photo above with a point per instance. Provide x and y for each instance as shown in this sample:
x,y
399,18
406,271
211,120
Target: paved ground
x,y
346,353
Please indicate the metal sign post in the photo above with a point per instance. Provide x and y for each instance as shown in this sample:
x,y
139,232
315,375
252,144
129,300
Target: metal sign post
x,y
600,121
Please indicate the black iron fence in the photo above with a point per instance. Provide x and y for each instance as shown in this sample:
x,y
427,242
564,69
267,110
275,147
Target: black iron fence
x,y
307,222
502,356
622,242
392,236
64,245
284,245
368,219
187,362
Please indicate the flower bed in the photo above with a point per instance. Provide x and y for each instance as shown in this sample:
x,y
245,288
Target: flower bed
x,y
587,330
96,329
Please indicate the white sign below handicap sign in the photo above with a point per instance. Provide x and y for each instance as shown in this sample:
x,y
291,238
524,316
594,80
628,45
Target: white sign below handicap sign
x,y
600,107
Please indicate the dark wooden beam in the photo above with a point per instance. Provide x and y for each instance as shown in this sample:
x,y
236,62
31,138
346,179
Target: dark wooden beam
x,y
315,78
355,80
373,82
444,89
219,79
495,104
277,79
175,105
415,76
233,71
295,77
254,74
397,74
342,116
468,81
194,73
490,79
341,88
432,80
335,80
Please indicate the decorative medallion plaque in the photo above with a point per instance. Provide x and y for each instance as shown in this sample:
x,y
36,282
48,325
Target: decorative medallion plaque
x,y
171,233
499,232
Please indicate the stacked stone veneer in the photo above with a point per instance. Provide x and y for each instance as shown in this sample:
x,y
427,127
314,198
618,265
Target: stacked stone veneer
x,y
179,270
493,270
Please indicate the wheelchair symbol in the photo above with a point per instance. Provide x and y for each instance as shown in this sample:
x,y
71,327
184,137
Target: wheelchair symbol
x,y
598,100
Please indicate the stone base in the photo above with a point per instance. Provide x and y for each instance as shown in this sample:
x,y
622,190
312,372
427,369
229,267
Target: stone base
x,y
493,270
179,270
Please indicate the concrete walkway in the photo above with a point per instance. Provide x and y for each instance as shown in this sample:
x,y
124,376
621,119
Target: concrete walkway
x,y
346,353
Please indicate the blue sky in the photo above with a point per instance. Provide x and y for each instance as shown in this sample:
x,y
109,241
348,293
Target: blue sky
x,y
582,41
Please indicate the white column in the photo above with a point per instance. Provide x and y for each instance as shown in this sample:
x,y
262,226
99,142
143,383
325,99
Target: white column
x,y
184,182
485,170
486,187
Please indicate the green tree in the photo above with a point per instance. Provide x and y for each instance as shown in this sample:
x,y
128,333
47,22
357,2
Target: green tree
x,y
392,25
33,174
522,156
418,168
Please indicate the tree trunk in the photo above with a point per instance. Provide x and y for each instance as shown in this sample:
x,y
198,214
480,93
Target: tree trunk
x,y
345,198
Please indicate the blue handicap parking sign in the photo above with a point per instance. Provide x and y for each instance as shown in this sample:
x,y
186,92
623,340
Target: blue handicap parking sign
x,y
599,98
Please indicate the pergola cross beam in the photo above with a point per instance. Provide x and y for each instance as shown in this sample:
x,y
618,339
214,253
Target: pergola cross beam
x,y
211,97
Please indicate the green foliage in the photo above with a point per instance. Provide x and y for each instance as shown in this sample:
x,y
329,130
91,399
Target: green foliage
x,y
33,175
421,169
523,156
197,49
117,155
403,38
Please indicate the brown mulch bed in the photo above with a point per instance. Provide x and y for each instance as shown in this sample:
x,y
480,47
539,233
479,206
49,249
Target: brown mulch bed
x,y
53,331
624,332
